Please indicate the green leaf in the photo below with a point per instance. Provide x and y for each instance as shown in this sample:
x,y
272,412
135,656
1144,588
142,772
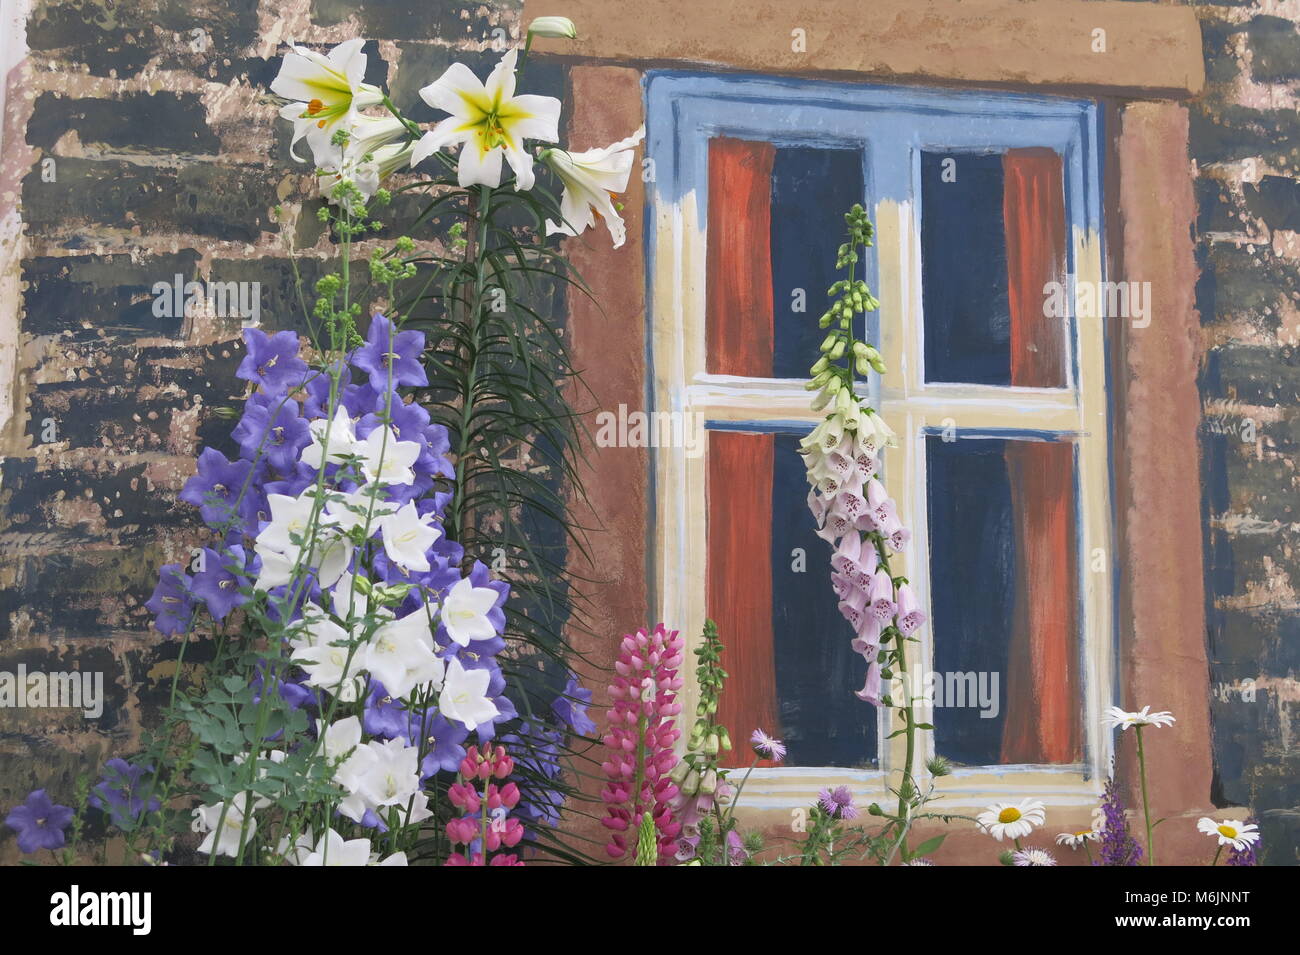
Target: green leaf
x,y
929,846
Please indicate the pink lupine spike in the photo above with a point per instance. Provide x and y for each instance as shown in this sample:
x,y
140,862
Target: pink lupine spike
x,y
642,727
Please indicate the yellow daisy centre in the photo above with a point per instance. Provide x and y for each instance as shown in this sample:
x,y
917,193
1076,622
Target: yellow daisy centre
x,y
1010,814
1228,832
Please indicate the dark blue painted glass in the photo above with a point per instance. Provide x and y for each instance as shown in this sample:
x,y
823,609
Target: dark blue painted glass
x,y
972,597
964,269
811,190
817,672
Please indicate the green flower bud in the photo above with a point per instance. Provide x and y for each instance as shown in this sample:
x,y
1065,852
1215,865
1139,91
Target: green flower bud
x,y
555,27
709,784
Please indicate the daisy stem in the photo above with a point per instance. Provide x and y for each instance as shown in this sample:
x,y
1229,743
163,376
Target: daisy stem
x,y
1217,852
1087,851
1146,803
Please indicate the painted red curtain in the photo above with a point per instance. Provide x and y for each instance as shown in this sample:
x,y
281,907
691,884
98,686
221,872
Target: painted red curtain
x,y
739,295
1044,719
739,587
739,337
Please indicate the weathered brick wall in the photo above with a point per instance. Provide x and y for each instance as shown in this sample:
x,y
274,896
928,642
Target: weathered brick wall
x,y
140,142
1245,139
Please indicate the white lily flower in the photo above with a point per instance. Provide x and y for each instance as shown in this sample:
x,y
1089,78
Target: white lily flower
x,y
338,434
465,610
394,776
464,695
387,460
327,666
591,181
295,853
560,28
279,544
408,536
349,511
400,655
397,858
333,849
488,121
226,841
326,91
366,174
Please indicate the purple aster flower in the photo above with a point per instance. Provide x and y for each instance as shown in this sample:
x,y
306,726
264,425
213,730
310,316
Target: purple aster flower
x,y
316,397
496,689
388,351
39,822
172,604
272,424
838,803
444,742
121,793
438,445
217,487
571,707
361,400
272,361
1248,855
219,584
536,752
769,747
294,694
384,716
1118,847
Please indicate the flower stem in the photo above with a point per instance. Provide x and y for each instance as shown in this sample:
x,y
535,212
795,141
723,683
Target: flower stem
x,y
1146,803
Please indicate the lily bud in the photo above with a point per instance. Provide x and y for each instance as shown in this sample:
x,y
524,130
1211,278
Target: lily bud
x,y
560,28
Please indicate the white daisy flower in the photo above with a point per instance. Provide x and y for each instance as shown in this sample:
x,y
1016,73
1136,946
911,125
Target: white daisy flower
x,y
1115,717
1012,821
1075,839
1239,835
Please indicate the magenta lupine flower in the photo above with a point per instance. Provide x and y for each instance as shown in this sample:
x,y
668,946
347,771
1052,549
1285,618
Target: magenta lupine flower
x,y
769,747
470,828
641,721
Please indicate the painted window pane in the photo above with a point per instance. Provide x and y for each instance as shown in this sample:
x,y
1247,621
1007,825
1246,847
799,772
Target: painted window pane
x,y
964,269
992,237
1006,665
772,252
811,188
791,669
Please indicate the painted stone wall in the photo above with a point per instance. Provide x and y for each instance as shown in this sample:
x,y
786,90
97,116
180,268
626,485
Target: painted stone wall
x,y
141,144
1245,140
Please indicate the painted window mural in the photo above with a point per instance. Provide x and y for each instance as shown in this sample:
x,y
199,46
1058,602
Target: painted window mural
x,y
648,433
979,203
